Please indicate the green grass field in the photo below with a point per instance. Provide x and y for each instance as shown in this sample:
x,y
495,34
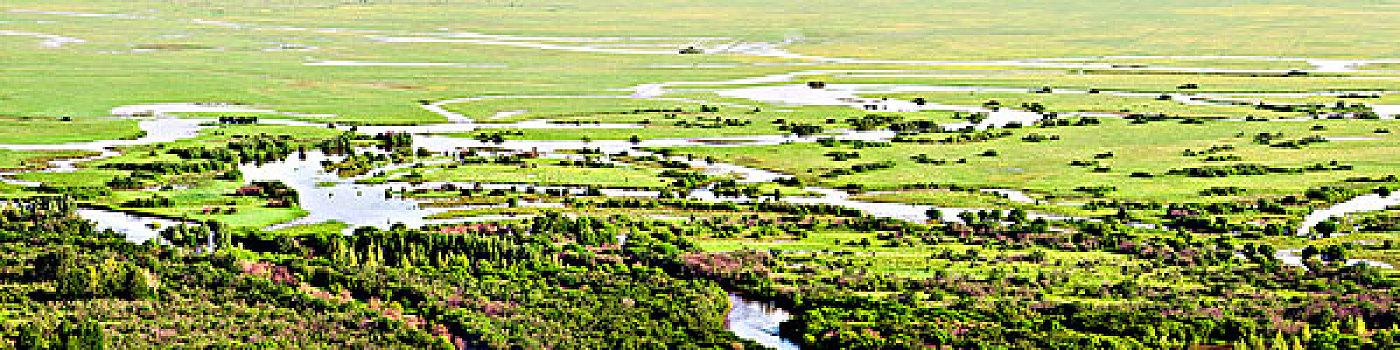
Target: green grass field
x,y
34,159
543,172
194,62
45,131
1095,103
1045,167
1182,262
1151,83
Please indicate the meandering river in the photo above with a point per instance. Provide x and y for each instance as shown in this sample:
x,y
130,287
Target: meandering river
x,y
328,197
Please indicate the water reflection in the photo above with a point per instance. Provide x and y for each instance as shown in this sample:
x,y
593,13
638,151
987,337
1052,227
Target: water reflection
x,y
757,321
137,229
344,201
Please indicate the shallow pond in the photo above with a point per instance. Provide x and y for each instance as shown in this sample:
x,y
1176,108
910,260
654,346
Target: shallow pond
x,y
138,229
347,202
757,321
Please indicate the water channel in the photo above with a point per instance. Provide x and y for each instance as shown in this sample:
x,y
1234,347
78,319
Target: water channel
x,y
757,321
328,197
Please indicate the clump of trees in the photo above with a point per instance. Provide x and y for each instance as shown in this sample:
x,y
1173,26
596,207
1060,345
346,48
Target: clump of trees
x,y
1223,191
860,168
1249,169
61,334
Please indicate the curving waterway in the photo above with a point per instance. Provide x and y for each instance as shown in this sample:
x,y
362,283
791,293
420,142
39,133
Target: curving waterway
x,y
328,197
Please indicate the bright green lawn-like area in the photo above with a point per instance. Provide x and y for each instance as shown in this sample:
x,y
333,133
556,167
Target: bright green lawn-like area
x,y
561,108
592,212
10,159
1153,148
1142,83
624,110
83,178
1101,103
611,134
881,29
690,123
1381,66
197,62
1205,62
46,131
250,216
47,82
13,190
190,203
962,199
224,133
943,198
310,229
1369,100
542,173
724,134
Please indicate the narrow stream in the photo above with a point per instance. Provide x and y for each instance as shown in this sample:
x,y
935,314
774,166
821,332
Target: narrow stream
x,y
1358,204
360,205
367,205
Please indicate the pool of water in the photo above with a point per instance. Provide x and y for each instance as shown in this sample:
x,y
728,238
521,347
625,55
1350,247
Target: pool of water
x,y
757,321
137,229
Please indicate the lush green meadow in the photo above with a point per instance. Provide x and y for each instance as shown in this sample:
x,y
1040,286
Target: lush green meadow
x,y
217,63
1166,217
1045,167
43,131
543,173
34,159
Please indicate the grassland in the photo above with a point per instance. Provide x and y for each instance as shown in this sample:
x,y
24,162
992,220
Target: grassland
x,y
1045,167
1149,83
1171,258
549,175
563,108
604,134
1094,103
213,63
1382,66
196,204
89,178
543,172
963,29
34,159
239,72
46,131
